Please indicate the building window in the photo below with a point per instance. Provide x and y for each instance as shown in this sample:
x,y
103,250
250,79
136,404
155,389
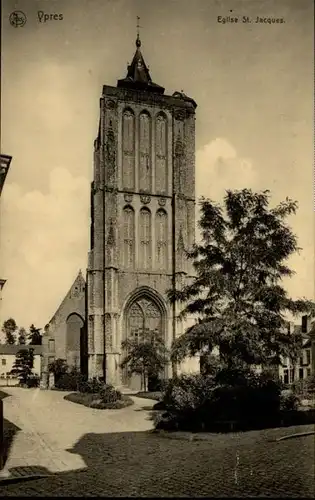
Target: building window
x,y
128,149
145,238
51,345
161,154
144,318
308,372
301,360
286,376
291,375
128,237
145,172
308,357
301,374
161,232
3,362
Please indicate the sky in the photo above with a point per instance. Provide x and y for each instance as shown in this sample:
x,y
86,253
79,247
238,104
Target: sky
x,y
253,83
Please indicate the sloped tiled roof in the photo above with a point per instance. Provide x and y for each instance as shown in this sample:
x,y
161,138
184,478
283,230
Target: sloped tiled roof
x,y
77,288
138,76
5,161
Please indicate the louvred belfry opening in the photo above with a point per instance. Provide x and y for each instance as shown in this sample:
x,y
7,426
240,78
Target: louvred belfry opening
x,y
138,76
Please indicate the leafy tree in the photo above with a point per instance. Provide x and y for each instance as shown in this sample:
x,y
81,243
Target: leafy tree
x,y
22,336
58,367
146,357
35,337
9,328
237,293
23,365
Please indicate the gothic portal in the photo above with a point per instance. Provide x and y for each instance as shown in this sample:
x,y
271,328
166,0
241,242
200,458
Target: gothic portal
x,y
142,216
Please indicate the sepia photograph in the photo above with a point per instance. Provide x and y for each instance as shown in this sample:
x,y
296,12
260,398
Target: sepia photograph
x,y
157,248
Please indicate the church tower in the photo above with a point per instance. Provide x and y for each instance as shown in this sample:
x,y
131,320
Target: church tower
x,y
142,216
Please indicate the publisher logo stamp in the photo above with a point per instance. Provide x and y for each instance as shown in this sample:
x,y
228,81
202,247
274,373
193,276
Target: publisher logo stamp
x,y
17,19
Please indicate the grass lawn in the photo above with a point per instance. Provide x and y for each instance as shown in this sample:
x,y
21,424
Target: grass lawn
x,y
95,401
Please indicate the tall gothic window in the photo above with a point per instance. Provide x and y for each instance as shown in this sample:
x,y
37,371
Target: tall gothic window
x,y
128,149
161,154
145,238
145,171
128,237
161,236
144,317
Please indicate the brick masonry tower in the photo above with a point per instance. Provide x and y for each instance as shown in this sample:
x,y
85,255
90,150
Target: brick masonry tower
x,y
142,216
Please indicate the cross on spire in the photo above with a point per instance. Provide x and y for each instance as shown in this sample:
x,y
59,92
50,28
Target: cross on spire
x,y
138,41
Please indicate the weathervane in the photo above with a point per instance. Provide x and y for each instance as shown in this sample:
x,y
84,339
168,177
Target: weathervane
x,y
138,42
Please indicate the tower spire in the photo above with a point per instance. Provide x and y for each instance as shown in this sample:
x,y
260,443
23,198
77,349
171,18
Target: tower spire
x,y
138,75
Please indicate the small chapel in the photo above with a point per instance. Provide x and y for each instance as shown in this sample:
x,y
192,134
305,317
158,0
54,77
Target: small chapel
x,y
142,221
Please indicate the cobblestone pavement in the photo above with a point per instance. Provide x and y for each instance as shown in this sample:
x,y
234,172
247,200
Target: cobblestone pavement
x,y
140,463
49,426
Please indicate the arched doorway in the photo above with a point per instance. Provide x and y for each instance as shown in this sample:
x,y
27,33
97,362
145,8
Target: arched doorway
x,y
75,341
144,315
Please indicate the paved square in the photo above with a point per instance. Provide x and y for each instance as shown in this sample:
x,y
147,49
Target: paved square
x,y
115,455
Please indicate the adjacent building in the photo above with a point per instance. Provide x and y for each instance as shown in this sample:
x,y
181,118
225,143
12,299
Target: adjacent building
x,y
290,372
64,336
7,358
5,162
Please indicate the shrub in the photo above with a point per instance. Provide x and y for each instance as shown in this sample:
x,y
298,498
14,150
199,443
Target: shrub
x,y
289,401
58,367
69,381
90,386
106,392
167,421
109,394
154,384
114,405
310,382
33,381
304,387
198,401
95,401
187,392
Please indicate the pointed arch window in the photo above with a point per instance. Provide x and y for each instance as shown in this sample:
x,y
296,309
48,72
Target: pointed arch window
x,y
145,170
128,237
144,318
161,153
136,322
161,235
145,238
128,149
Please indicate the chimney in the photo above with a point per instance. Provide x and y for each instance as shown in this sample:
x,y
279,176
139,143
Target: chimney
x,y
304,323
